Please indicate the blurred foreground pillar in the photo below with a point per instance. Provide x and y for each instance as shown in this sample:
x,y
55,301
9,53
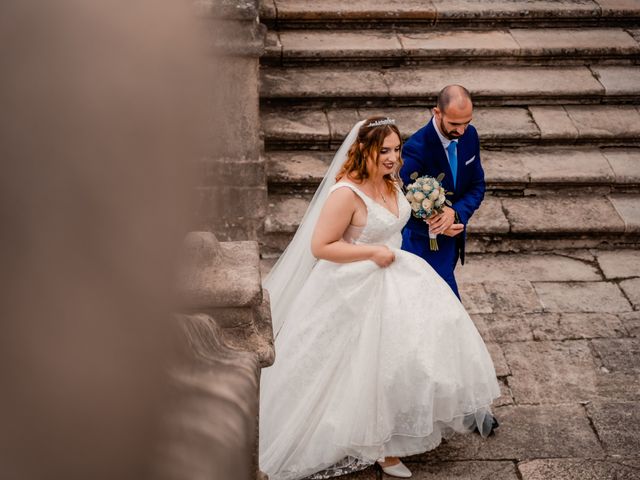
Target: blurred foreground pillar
x,y
103,109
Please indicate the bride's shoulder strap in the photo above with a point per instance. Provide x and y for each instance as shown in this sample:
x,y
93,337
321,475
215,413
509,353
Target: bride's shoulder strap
x,y
355,189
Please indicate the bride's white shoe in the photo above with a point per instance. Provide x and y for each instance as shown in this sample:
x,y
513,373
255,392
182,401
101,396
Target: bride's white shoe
x,y
397,470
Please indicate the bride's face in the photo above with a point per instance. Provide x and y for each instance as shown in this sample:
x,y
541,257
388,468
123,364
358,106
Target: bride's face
x,y
389,155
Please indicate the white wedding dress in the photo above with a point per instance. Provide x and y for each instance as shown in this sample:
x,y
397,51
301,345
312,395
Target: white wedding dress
x,y
371,362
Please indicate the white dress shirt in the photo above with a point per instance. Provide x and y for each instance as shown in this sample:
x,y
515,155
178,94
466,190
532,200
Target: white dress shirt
x,y
444,140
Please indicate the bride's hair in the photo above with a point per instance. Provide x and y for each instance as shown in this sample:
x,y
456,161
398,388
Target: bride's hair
x,y
371,136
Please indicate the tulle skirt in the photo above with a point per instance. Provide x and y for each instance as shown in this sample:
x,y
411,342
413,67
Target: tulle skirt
x,y
370,362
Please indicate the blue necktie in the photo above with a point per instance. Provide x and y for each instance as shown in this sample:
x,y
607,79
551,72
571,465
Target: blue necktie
x,y
453,160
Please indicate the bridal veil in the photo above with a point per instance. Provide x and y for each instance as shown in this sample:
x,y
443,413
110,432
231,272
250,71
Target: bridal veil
x,y
294,266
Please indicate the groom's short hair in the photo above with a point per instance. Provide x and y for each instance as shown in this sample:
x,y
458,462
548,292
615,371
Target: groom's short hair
x,y
452,93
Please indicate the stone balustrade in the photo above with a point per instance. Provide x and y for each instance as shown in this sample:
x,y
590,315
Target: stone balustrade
x,y
225,338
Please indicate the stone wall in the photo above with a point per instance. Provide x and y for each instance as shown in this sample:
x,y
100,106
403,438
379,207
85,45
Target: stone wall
x,y
232,175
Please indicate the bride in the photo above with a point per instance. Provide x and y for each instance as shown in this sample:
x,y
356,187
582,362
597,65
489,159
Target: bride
x,y
376,358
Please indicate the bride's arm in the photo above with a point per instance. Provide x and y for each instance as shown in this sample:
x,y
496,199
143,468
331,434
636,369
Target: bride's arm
x,y
327,242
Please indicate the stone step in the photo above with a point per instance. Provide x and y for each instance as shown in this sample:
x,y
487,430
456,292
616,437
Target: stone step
x,y
322,129
491,85
519,171
506,224
555,266
465,13
425,46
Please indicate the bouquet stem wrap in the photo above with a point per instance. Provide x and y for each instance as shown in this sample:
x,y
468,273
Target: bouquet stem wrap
x,y
433,241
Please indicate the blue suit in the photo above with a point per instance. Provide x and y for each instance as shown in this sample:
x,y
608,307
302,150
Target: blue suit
x,y
423,153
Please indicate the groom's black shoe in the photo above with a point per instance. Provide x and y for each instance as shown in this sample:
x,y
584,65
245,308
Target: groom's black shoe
x,y
494,424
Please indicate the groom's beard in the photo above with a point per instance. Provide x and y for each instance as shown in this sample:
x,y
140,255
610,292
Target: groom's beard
x,y
453,135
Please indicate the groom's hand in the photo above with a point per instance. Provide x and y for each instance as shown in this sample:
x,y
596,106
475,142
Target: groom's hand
x,y
442,222
454,230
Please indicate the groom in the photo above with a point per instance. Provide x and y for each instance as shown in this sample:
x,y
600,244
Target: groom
x,y
447,144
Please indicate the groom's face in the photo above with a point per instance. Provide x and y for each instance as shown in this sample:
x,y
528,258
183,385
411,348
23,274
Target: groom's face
x,y
454,120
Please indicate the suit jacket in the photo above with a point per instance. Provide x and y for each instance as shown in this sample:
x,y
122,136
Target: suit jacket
x,y
423,153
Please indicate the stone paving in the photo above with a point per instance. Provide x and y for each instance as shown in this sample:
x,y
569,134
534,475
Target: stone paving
x,y
563,329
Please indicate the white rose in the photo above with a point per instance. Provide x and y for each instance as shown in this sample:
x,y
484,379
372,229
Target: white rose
x,y
427,204
441,198
418,196
409,196
434,195
415,206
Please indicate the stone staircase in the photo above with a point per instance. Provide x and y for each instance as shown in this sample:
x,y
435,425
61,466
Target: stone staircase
x,y
556,86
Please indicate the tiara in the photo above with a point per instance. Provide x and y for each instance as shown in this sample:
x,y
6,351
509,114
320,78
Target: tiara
x,y
385,121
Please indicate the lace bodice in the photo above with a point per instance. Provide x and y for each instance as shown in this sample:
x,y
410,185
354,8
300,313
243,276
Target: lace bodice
x,y
382,226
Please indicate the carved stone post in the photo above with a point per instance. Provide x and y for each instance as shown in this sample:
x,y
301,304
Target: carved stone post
x,y
232,175
225,338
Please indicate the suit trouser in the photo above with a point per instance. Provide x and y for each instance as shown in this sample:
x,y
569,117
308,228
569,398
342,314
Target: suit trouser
x,y
443,261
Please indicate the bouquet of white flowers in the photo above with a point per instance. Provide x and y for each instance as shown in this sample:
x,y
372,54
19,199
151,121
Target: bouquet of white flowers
x,y
427,196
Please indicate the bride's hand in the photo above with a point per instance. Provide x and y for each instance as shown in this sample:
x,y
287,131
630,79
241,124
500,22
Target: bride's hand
x,y
383,256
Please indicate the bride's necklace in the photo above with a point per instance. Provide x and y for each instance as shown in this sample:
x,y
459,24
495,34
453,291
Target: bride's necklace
x,y
380,194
